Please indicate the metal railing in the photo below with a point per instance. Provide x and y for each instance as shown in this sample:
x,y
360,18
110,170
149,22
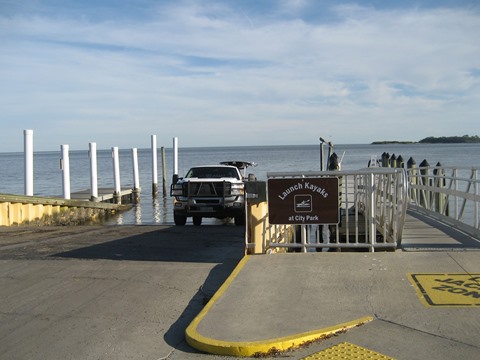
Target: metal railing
x,y
372,207
448,194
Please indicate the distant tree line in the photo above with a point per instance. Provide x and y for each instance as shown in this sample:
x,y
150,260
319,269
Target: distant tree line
x,y
450,139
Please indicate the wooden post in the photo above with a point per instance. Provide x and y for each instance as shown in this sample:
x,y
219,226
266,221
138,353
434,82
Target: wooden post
x,y
393,161
400,162
65,167
424,180
385,159
164,172
440,182
154,167
322,156
28,159
175,160
413,178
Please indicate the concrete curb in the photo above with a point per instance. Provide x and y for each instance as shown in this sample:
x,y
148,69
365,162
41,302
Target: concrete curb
x,y
220,347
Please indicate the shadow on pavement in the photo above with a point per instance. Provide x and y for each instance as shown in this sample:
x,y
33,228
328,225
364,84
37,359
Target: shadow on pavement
x,y
204,244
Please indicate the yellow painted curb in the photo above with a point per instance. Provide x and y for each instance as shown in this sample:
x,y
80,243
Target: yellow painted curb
x,y
219,347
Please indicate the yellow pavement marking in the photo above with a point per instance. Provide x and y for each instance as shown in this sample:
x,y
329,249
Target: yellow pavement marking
x,y
220,347
447,289
346,351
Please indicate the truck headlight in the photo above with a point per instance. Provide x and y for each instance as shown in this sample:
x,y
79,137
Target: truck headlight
x,y
176,190
237,189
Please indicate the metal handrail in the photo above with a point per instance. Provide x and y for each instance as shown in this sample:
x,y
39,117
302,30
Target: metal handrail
x,y
449,194
372,206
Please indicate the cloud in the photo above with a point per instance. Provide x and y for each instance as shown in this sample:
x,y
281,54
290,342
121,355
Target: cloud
x,y
203,71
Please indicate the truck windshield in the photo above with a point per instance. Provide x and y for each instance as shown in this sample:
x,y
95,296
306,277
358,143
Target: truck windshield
x,y
212,173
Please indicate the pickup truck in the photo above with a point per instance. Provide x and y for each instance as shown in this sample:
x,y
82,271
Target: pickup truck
x,y
211,191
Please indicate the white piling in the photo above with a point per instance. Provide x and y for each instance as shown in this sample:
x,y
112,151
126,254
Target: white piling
x,y
65,167
93,171
28,158
154,167
116,176
175,158
136,178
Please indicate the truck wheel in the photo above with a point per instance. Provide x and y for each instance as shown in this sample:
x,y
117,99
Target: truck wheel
x,y
239,220
197,220
179,219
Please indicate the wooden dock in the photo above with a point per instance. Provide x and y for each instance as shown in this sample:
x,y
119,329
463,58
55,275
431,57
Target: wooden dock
x,y
107,195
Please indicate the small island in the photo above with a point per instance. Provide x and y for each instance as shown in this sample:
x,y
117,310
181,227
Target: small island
x,y
392,142
465,139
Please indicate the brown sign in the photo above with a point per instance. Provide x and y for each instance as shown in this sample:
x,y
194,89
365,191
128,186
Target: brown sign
x,y
303,201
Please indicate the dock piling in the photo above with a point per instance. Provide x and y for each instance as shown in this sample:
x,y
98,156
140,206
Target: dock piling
x,y
65,167
117,194
154,167
136,179
93,171
28,157
164,172
175,160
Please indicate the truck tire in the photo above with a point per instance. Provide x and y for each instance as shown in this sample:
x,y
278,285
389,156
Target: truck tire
x,y
179,220
197,220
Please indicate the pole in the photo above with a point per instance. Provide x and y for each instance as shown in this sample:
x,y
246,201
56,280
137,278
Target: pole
x,y
164,172
117,196
154,167
322,156
93,171
136,179
175,159
65,167
28,159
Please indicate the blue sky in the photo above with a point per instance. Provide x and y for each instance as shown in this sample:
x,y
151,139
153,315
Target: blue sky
x,y
218,73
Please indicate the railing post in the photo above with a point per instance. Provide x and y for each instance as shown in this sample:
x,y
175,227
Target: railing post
x,y
117,194
93,171
28,158
475,210
371,213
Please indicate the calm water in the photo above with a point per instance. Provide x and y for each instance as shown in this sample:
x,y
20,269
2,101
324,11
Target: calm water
x,y
48,176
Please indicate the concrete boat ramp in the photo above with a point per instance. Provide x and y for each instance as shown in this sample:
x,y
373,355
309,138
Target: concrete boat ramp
x,y
150,292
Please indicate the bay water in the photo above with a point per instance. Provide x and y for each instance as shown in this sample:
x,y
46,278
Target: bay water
x,y
291,158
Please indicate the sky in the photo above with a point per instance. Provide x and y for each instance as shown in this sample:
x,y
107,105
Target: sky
x,y
236,72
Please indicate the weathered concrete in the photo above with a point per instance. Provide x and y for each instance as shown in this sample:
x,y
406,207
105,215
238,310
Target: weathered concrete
x,y
40,210
129,292
106,292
